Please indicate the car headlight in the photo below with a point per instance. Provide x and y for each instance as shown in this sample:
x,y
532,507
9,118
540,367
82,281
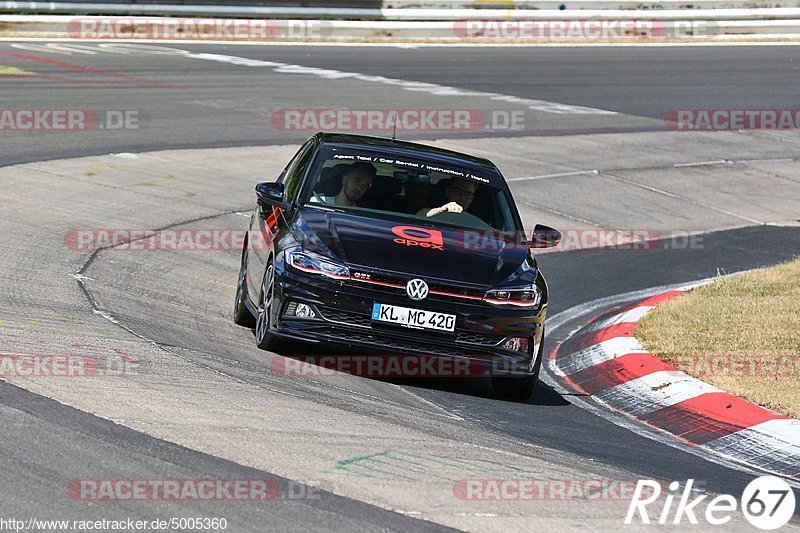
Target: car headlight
x,y
312,263
526,297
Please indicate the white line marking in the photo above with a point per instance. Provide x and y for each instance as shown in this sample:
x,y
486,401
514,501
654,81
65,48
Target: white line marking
x,y
561,214
559,175
447,413
685,198
607,171
702,163
781,160
440,411
50,48
103,314
416,86
732,161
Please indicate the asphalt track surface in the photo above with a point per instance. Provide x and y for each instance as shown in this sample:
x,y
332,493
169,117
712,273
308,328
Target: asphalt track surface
x,y
217,104
195,103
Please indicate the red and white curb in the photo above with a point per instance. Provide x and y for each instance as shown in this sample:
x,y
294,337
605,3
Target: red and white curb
x,y
605,361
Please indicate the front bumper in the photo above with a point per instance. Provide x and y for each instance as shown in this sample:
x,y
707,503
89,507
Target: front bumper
x,y
343,319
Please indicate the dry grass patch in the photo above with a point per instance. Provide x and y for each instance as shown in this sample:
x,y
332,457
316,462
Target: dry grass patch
x,y
741,334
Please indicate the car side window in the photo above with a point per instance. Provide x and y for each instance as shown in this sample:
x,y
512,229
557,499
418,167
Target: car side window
x,y
293,175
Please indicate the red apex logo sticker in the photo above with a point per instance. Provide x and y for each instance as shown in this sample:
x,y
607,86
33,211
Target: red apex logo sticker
x,y
422,237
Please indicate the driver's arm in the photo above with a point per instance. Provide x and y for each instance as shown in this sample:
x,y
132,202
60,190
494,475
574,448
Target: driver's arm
x,y
451,207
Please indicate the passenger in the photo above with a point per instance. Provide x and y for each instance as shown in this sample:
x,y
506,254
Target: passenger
x,y
460,193
356,181
416,196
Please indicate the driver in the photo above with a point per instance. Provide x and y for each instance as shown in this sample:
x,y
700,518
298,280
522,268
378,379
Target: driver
x,y
356,181
459,193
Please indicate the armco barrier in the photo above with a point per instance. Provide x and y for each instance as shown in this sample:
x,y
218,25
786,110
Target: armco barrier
x,y
56,26
404,9
432,20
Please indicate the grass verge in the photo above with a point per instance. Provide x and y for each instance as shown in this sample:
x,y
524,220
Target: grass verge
x,y
741,334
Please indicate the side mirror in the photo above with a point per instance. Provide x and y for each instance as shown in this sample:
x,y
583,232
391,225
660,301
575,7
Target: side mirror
x,y
271,194
544,237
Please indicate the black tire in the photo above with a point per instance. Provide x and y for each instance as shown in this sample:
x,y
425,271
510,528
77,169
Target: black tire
x,y
518,388
264,338
241,314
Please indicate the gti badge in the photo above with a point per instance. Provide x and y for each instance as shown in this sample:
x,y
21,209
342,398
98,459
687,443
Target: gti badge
x,y
417,289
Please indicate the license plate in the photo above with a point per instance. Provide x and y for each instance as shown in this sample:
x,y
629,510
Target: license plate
x,y
413,318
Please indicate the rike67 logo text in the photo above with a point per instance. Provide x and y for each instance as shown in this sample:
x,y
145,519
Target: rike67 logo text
x,y
767,503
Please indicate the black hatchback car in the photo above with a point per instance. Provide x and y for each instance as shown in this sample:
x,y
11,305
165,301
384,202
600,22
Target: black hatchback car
x,y
396,248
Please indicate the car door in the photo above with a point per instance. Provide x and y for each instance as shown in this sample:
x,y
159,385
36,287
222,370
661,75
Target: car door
x,y
265,219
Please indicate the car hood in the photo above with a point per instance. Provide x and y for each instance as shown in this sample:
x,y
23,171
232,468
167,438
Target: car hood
x,y
466,256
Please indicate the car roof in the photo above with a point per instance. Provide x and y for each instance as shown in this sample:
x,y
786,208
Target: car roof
x,y
466,161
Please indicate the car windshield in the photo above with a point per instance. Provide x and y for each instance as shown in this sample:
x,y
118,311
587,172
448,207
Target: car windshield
x,y
383,183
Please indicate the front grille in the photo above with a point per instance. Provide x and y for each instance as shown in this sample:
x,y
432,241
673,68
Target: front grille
x,y
394,343
397,285
479,338
344,317
364,321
